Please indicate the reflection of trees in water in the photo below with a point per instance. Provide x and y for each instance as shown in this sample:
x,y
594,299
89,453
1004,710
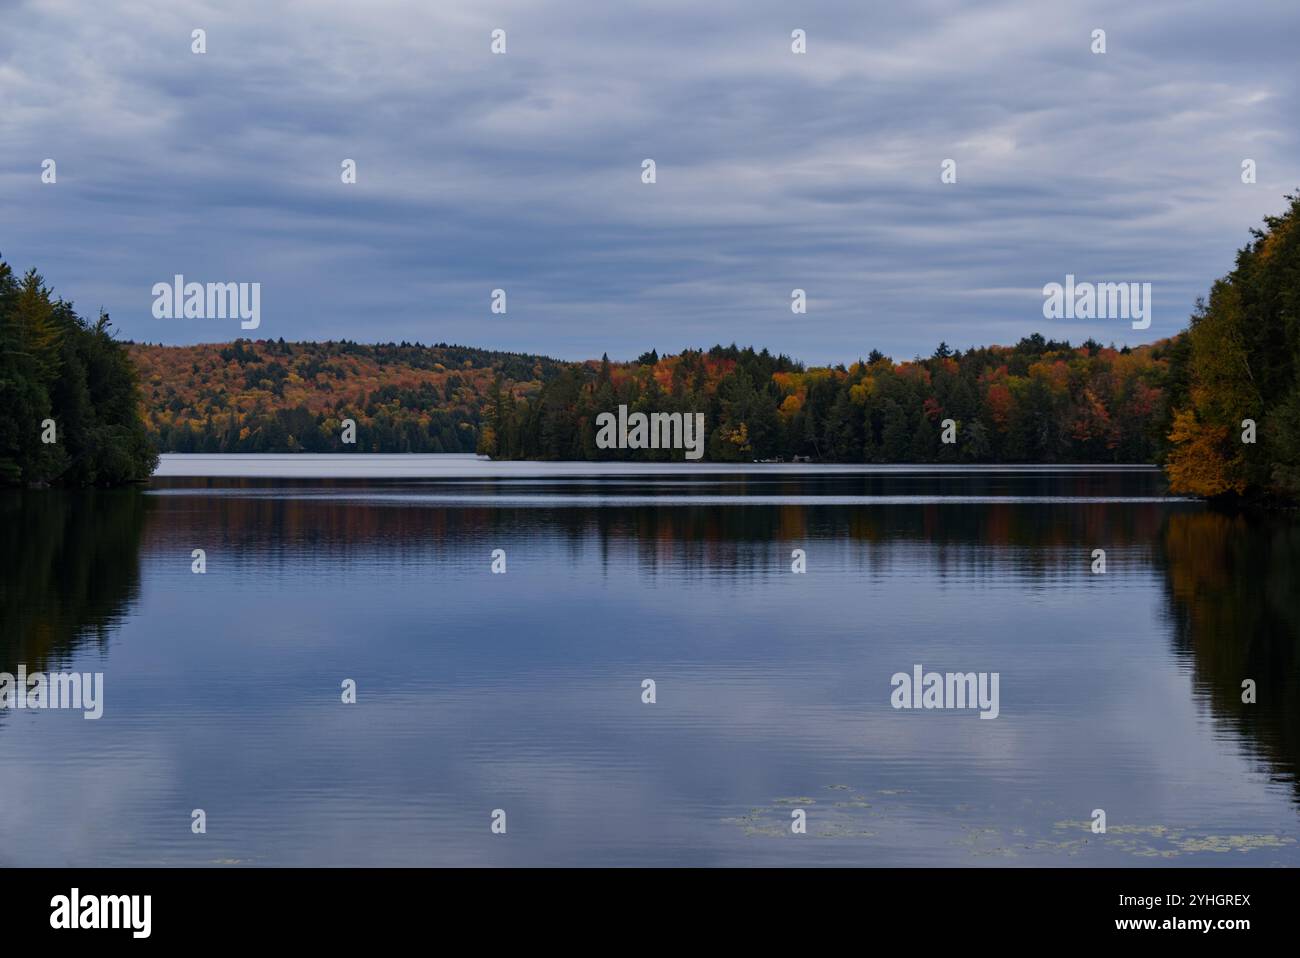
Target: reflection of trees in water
x,y
69,571
70,562
1235,605
1047,540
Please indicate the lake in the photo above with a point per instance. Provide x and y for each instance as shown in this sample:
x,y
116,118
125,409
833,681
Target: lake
x,y
523,691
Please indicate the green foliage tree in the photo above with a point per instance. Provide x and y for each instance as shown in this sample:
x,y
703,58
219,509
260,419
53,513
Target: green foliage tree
x,y
55,367
1242,362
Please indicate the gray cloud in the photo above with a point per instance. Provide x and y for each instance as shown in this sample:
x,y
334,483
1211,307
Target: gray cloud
x,y
523,171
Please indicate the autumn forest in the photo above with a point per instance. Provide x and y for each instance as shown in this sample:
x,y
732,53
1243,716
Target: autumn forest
x,y
1218,405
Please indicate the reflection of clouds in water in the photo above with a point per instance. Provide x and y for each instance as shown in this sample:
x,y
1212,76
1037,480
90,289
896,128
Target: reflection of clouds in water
x,y
409,778
523,691
67,803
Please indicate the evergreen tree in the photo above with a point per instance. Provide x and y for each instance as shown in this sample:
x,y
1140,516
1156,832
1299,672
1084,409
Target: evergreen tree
x,y
60,375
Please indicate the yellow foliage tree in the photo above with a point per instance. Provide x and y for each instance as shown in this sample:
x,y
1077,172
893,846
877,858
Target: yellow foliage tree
x,y
1197,464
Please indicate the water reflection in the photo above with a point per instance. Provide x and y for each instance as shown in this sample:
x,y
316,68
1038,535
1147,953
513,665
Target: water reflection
x,y
478,690
1234,605
69,572
1040,532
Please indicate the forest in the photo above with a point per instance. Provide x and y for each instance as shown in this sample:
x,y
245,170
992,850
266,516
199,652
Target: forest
x,y
69,401
274,396
1038,401
1218,405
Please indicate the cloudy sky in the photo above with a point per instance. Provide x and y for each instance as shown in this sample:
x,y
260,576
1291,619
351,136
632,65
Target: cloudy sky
x,y
522,171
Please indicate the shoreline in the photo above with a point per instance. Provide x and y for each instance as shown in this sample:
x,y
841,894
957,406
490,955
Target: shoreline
x,y
467,466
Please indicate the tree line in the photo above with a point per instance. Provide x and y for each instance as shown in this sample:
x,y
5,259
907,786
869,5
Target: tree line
x,y
1038,401
1217,405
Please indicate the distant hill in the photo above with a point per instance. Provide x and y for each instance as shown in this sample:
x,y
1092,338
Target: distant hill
x,y
275,396
1038,401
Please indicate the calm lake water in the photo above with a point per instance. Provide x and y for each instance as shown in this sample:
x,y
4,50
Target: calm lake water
x,y
523,691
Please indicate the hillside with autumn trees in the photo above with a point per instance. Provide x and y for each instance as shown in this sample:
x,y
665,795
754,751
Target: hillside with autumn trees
x,y
1038,401
1218,405
274,396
